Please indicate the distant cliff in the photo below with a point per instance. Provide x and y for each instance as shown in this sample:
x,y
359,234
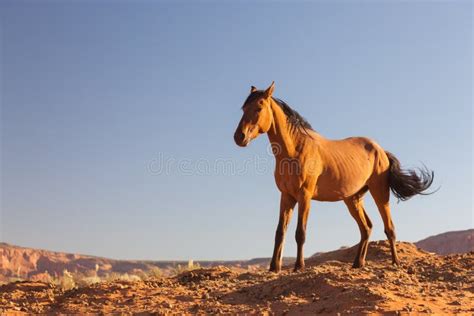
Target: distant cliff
x,y
449,242
38,264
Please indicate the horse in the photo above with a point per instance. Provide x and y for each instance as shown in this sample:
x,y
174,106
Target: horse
x,y
312,167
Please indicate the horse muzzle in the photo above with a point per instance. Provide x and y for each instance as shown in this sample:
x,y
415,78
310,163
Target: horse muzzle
x,y
241,139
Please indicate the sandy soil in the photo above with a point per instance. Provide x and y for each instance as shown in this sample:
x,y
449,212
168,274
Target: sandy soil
x,y
424,283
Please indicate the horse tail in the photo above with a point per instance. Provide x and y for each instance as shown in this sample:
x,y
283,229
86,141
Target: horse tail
x,y
407,183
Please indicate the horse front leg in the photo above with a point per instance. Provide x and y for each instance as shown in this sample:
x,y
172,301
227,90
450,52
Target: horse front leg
x,y
304,203
287,203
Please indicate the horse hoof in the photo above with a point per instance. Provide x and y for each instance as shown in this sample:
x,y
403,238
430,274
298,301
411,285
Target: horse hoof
x,y
357,265
274,267
298,268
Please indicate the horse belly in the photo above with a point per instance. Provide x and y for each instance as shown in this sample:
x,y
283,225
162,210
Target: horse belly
x,y
337,186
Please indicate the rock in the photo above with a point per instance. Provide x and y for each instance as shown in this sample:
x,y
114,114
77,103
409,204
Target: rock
x,y
327,285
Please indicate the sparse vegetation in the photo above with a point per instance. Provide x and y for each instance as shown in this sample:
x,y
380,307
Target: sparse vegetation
x,y
71,280
191,266
155,273
66,281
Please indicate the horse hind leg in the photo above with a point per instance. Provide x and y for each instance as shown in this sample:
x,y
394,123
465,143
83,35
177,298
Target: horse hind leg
x,y
355,205
380,191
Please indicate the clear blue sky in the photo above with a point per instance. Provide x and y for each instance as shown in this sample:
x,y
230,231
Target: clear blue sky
x,y
93,95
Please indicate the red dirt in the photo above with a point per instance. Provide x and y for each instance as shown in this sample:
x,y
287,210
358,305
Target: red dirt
x,y
425,283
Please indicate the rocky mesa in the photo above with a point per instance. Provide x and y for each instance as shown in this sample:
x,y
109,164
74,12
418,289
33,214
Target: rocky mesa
x,y
448,243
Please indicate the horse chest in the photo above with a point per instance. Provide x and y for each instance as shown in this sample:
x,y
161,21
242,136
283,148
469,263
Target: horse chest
x,y
285,184
289,177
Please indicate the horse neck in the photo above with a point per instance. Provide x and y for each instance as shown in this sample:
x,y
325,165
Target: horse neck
x,y
281,135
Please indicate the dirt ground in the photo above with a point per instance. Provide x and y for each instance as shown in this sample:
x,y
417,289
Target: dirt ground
x,y
424,283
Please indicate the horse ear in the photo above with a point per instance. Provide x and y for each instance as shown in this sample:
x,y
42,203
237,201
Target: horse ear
x,y
252,89
269,91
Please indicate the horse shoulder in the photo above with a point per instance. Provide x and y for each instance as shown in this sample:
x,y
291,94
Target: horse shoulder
x,y
293,174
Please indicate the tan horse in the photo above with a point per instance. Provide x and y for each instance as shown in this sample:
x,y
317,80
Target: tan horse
x,y
309,166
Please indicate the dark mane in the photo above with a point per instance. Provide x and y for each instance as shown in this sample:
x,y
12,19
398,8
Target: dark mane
x,y
294,118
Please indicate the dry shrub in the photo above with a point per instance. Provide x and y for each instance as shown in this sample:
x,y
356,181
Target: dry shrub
x,y
191,266
66,281
155,273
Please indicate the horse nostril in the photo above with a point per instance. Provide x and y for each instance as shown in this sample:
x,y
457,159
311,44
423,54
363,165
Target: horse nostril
x,y
239,136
